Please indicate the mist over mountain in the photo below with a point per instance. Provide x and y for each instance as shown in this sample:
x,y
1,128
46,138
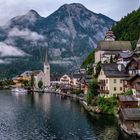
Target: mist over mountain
x,y
69,34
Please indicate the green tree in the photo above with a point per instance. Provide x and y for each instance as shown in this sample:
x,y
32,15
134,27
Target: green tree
x,y
89,98
107,105
89,60
40,84
93,87
77,91
98,68
128,28
92,91
8,82
129,92
26,83
32,81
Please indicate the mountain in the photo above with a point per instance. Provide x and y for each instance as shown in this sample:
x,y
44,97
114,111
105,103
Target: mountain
x,y
69,34
128,28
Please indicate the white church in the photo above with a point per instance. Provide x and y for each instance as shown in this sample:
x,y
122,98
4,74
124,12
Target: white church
x,y
39,75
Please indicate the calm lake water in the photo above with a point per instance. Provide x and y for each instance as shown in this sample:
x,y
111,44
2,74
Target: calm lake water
x,y
48,117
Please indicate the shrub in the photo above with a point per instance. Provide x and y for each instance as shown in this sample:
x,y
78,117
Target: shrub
x,y
77,91
129,92
89,98
40,84
107,105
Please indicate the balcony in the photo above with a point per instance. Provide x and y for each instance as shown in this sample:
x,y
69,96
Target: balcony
x,y
103,91
101,83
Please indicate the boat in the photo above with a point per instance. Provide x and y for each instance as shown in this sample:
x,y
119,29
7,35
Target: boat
x,y
19,90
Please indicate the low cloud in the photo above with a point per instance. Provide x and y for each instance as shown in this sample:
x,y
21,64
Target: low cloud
x,y
2,61
26,34
10,51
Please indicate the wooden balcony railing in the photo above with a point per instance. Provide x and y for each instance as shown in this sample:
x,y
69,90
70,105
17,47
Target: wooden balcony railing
x,y
103,91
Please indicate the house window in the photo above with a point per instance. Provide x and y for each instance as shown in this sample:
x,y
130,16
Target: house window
x,y
121,88
106,88
121,81
114,80
115,89
106,80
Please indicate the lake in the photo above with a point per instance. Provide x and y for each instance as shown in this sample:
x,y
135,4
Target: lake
x,y
50,117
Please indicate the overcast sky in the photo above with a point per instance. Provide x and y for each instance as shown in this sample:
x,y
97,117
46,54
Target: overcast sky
x,y
115,9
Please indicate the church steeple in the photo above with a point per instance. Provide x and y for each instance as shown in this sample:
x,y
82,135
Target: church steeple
x,y
46,71
109,36
46,58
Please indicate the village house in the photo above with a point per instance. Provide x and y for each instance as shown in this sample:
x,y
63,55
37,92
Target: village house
x,y
22,77
133,67
84,81
133,83
26,75
109,48
75,78
130,120
125,57
128,101
17,81
110,79
65,80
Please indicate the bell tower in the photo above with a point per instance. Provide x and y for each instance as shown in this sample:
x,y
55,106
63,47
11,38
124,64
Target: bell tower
x,y
46,71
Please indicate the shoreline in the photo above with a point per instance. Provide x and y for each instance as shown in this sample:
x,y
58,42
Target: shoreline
x,y
92,110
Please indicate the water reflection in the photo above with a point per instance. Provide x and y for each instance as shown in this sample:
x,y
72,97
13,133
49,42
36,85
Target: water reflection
x,y
45,117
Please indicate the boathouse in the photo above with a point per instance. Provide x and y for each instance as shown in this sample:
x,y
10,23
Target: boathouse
x,y
128,101
130,119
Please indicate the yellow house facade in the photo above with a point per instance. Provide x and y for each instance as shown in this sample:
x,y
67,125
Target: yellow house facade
x,y
110,80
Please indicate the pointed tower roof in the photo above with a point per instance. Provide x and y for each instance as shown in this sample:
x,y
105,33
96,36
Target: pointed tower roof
x,y
46,58
109,36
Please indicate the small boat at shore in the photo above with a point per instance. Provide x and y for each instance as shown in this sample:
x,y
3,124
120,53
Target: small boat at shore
x,y
19,91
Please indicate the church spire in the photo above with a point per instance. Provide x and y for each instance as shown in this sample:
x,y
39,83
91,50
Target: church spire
x,y
109,36
46,58
46,71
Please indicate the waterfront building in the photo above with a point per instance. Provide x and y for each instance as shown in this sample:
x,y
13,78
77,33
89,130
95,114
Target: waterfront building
x,y
133,83
65,80
22,77
128,101
83,83
130,120
75,78
110,79
17,81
